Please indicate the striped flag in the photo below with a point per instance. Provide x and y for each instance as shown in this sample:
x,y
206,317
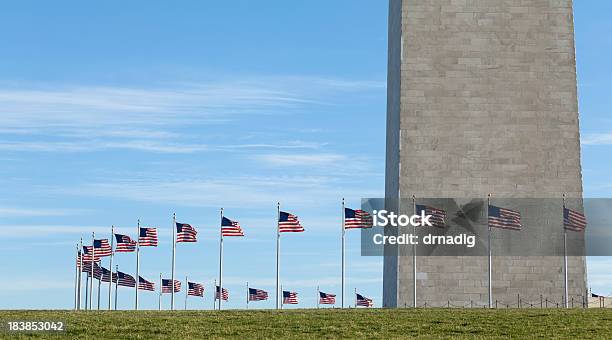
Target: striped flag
x,y
185,233
97,271
147,237
125,280
357,219
573,220
290,298
167,283
78,259
88,254
106,275
230,228
288,223
438,216
257,294
103,248
145,285
86,267
125,244
504,218
224,294
195,289
364,301
327,299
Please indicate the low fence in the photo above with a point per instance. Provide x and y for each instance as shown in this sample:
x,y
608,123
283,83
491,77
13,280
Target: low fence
x,y
543,302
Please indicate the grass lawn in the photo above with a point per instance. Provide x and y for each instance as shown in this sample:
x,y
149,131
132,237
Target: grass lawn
x,y
336,323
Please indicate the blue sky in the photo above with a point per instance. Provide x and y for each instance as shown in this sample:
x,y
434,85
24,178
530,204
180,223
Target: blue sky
x,y
118,111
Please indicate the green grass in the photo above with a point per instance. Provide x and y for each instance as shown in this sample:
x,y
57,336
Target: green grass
x,y
348,323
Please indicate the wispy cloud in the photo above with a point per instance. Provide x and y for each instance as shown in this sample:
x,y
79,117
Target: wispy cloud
x,y
29,231
36,212
301,159
597,139
80,118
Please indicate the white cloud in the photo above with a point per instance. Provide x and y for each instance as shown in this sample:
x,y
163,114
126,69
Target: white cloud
x,y
300,160
30,231
597,139
80,118
36,212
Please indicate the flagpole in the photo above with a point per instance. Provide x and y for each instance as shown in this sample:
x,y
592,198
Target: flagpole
x,y
247,295
137,261
93,260
80,272
159,297
99,285
221,257
355,297
215,296
173,257
86,291
565,283
490,257
110,282
318,296
343,247
186,290
76,279
414,262
277,253
116,284
283,300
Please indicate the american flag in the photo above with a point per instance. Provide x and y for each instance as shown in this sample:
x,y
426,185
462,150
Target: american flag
x,y
290,298
573,220
106,275
230,228
145,285
438,216
125,280
78,259
327,299
364,301
504,218
224,294
185,233
195,289
288,223
357,219
103,248
88,254
257,294
125,244
86,267
147,237
97,271
167,283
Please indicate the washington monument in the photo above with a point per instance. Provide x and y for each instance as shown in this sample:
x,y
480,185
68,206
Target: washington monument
x,y
482,99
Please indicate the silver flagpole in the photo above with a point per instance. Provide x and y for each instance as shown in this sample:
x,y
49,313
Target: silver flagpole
x,y
116,285
99,284
355,297
283,300
318,296
110,268
93,258
215,295
566,288
173,257
490,257
277,252
414,262
159,297
186,290
247,295
221,256
76,279
137,261
343,248
86,291
80,273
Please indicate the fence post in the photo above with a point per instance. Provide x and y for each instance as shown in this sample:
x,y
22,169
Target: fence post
x,y
471,304
541,303
448,303
518,298
495,304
